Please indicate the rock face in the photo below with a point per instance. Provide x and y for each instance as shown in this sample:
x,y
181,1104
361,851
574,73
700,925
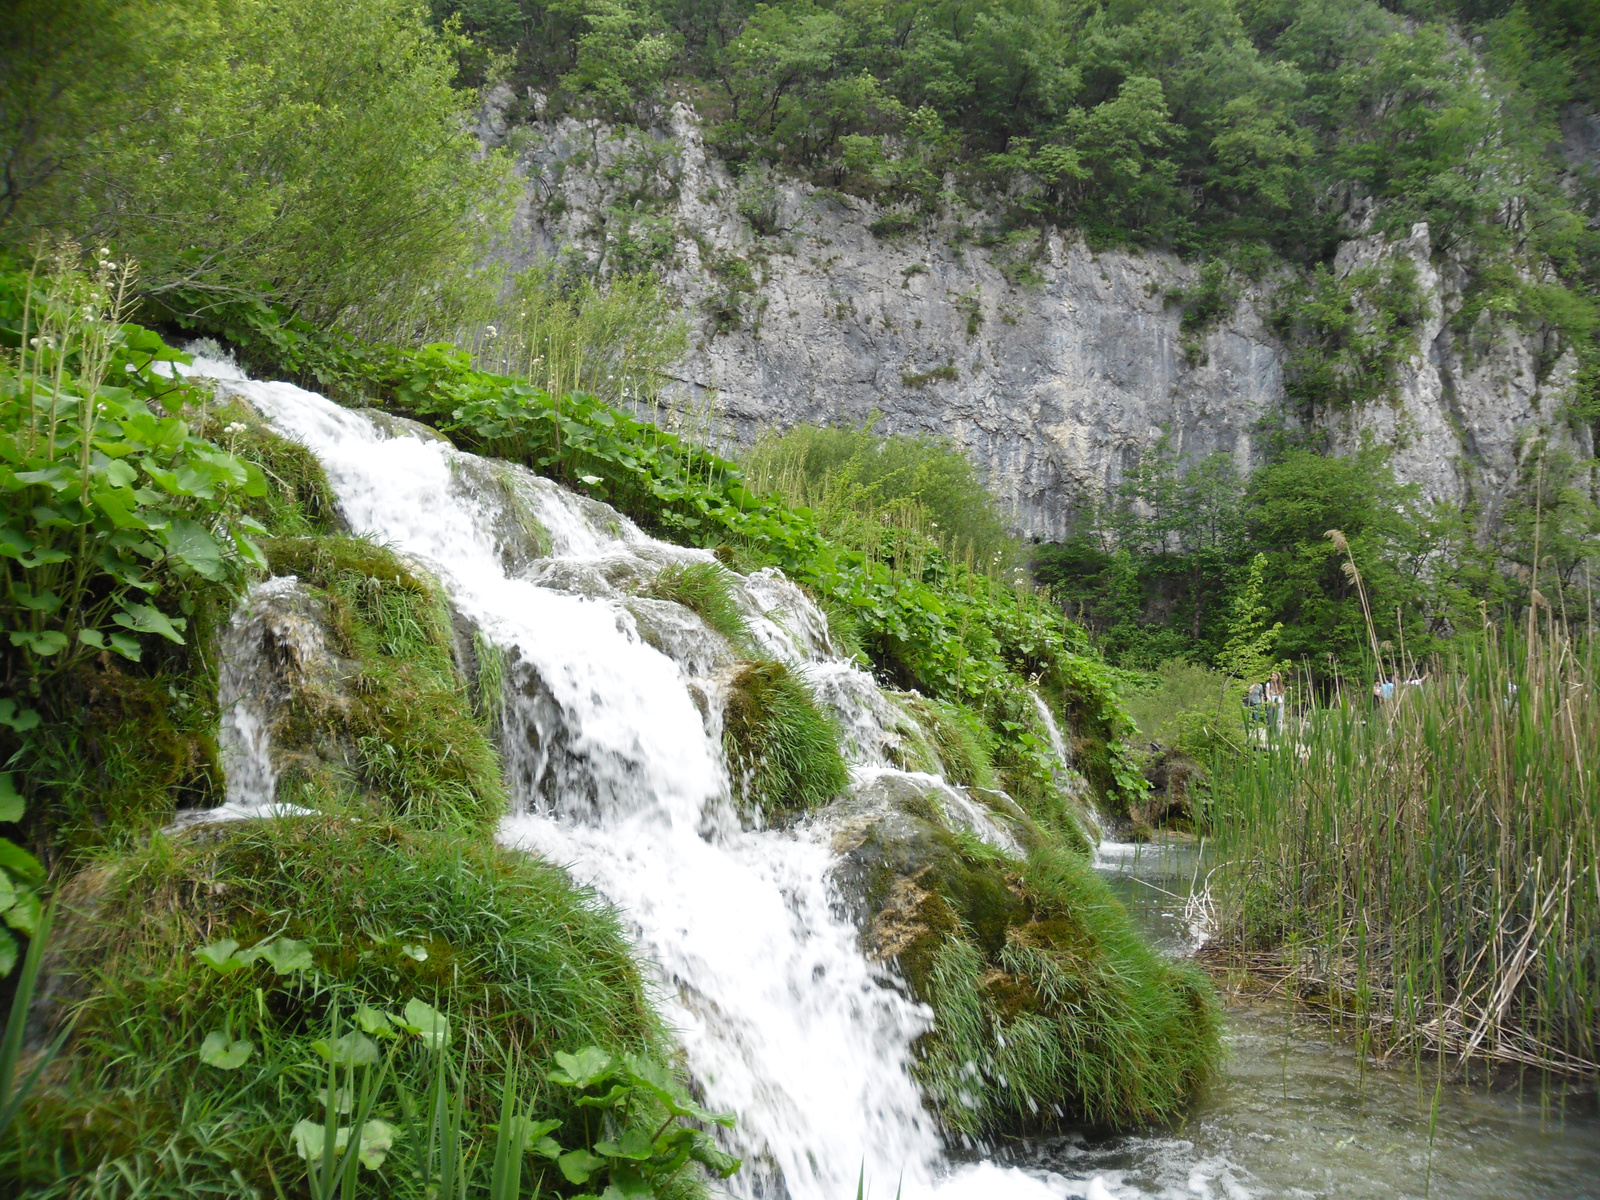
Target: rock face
x,y
1056,366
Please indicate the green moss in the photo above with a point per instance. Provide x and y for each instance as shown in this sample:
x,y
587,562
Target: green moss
x,y
707,590
299,500
405,731
783,751
959,737
127,749
1047,1004
515,954
1026,768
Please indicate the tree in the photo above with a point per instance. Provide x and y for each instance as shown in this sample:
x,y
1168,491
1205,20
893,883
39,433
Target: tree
x,y
1248,652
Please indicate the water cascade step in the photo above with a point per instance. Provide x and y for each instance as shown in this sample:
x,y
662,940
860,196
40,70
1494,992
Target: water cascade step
x,y
613,749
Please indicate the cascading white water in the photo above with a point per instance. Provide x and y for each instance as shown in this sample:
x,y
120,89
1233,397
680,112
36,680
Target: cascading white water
x,y
620,777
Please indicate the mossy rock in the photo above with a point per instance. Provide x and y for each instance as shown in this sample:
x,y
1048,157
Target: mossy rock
x,y
1048,1004
1175,780
384,708
516,956
783,751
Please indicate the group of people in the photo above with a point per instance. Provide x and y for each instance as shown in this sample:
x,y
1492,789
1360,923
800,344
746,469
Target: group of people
x,y
1264,704
1386,687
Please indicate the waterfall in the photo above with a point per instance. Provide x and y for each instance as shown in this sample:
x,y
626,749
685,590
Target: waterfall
x,y
618,775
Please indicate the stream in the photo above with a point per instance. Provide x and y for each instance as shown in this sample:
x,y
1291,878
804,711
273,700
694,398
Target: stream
x,y
612,740
1294,1115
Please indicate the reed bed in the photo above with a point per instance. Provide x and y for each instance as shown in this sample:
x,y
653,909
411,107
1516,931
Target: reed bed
x,y
1428,869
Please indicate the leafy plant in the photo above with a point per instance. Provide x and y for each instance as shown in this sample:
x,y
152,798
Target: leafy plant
x,y
110,502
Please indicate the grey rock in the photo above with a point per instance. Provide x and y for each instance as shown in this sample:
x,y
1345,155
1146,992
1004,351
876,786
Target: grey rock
x,y
1056,366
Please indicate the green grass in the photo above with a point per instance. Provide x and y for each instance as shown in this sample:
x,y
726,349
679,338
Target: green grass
x,y
958,737
299,500
517,956
858,481
707,590
783,751
1427,870
407,730
1048,1005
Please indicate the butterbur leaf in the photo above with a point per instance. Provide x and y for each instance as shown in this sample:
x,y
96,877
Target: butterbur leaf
x,y
309,1137
349,1050
220,956
634,1143
586,1068
126,646
548,1147
44,644
578,1165
142,618
656,1079
374,1022
288,955
343,1100
220,1050
11,804
192,544
23,916
16,718
428,1023
528,1134
19,862
377,1139
618,1093
628,1185
708,1154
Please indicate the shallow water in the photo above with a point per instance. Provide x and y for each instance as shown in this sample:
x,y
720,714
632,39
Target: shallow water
x,y
1296,1116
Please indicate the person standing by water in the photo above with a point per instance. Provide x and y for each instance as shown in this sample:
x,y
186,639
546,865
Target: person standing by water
x,y
1276,698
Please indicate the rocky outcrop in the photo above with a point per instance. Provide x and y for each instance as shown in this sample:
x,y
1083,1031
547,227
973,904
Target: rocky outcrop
x,y
1057,366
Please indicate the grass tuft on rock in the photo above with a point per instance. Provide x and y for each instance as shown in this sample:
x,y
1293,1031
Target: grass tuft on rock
x,y
1048,1006
404,728
783,751
1071,1009
958,737
299,501
519,958
706,589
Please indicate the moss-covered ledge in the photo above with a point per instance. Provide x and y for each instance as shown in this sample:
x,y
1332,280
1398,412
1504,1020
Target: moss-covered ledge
x,y
1048,1006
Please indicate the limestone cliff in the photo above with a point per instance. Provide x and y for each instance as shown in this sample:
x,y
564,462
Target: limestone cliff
x,y
1057,366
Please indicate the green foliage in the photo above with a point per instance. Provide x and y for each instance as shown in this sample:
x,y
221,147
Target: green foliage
x,y
1047,1005
858,473
1160,570
783,751
1190,707
1347,336
706,589
110,499
523,963
315,153
1248,651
